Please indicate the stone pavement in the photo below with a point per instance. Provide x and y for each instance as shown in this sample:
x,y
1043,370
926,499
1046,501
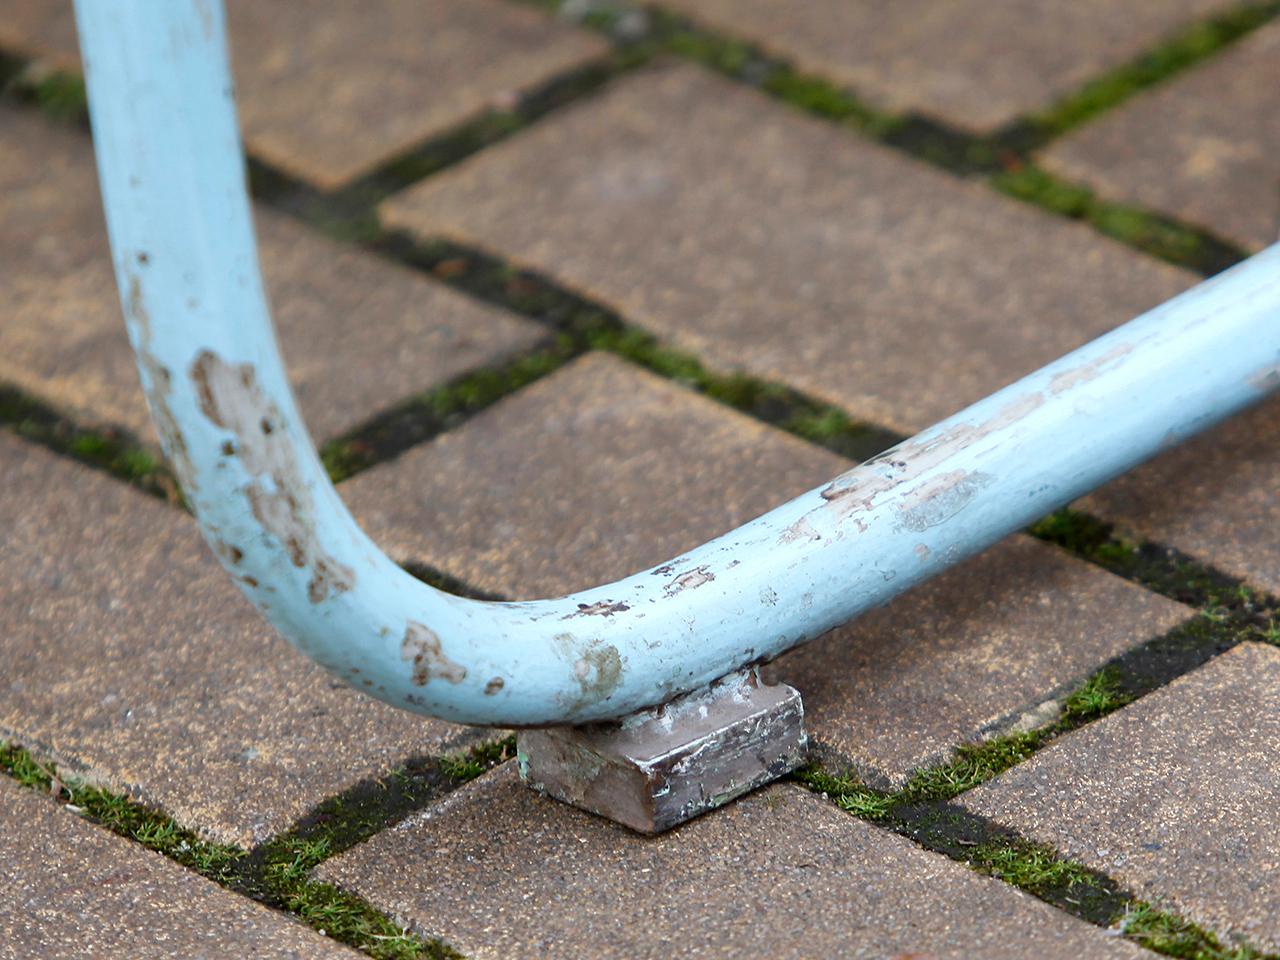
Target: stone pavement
x,y
1061,748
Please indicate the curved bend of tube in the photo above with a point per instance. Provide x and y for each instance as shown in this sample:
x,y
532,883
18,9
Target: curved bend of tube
x,y
173,182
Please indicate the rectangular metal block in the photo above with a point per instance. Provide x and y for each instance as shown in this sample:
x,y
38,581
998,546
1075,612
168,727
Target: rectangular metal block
x,y
660,767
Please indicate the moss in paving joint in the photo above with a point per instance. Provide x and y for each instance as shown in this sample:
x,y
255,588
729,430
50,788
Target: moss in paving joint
x,y
59,93
1178,243
1187,48
581,325
110,449
1227,604
928,819
277,873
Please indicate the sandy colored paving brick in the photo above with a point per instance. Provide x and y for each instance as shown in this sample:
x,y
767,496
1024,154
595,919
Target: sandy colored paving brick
x,y
1216,497
328,95
602,469
765,240
499,871
1176,795
1204,147
131,658
970,63
358,334
71,889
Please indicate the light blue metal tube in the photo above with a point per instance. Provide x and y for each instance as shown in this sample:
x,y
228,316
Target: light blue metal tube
x,y
182,239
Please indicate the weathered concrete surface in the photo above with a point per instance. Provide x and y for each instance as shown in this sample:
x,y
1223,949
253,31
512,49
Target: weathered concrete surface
x,y
765,240
1176,796
71,889
130,657
358,334
628,470
1214,497
389,73
1204,147
973,64
499,871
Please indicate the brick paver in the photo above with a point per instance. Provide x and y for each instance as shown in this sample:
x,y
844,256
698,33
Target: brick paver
x,y
766,240
129,656
499,871
359,334
71,889
629,469
1213,497
1205,147
388,73
1176,796
971,63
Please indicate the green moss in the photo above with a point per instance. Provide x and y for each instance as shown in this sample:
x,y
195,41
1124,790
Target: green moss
x,y
124,816
1177,243
1031,867
1173,936
1185,49
112,450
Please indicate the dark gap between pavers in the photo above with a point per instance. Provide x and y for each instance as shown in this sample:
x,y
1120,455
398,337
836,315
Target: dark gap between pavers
x,y
358,334
1174,795
500,871
1208,147
368,63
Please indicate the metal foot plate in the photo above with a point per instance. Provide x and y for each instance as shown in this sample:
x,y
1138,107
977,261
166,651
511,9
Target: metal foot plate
x,y
662,766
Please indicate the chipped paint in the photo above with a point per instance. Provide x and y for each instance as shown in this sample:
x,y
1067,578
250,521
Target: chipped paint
x,y
1086,372
690,580
601,608
229,397
421,647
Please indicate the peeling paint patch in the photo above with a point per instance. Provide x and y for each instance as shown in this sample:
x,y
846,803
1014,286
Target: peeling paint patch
x,y
1067,379
493,686
689,580
802,529
421,647
601,608
159,387
598,672
941,499
231,398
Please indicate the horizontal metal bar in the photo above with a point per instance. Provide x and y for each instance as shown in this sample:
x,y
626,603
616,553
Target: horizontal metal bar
x,y
173,182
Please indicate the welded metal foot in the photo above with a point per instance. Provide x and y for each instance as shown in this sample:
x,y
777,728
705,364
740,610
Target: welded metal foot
x,y
660,767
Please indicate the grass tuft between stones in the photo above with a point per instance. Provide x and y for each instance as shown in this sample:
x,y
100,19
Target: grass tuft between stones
x,y
112,450
277,873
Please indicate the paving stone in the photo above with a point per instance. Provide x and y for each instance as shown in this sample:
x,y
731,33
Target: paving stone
x,y
973,64
766,240
1176,795
359,334
70,889
130,658
389,73
1213,497
1204,148
500,871
967,655
629,470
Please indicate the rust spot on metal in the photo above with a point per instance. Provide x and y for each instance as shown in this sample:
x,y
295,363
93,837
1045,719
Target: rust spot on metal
x,y
493,686
689,580
421,647
601,608
1090,371
230,397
